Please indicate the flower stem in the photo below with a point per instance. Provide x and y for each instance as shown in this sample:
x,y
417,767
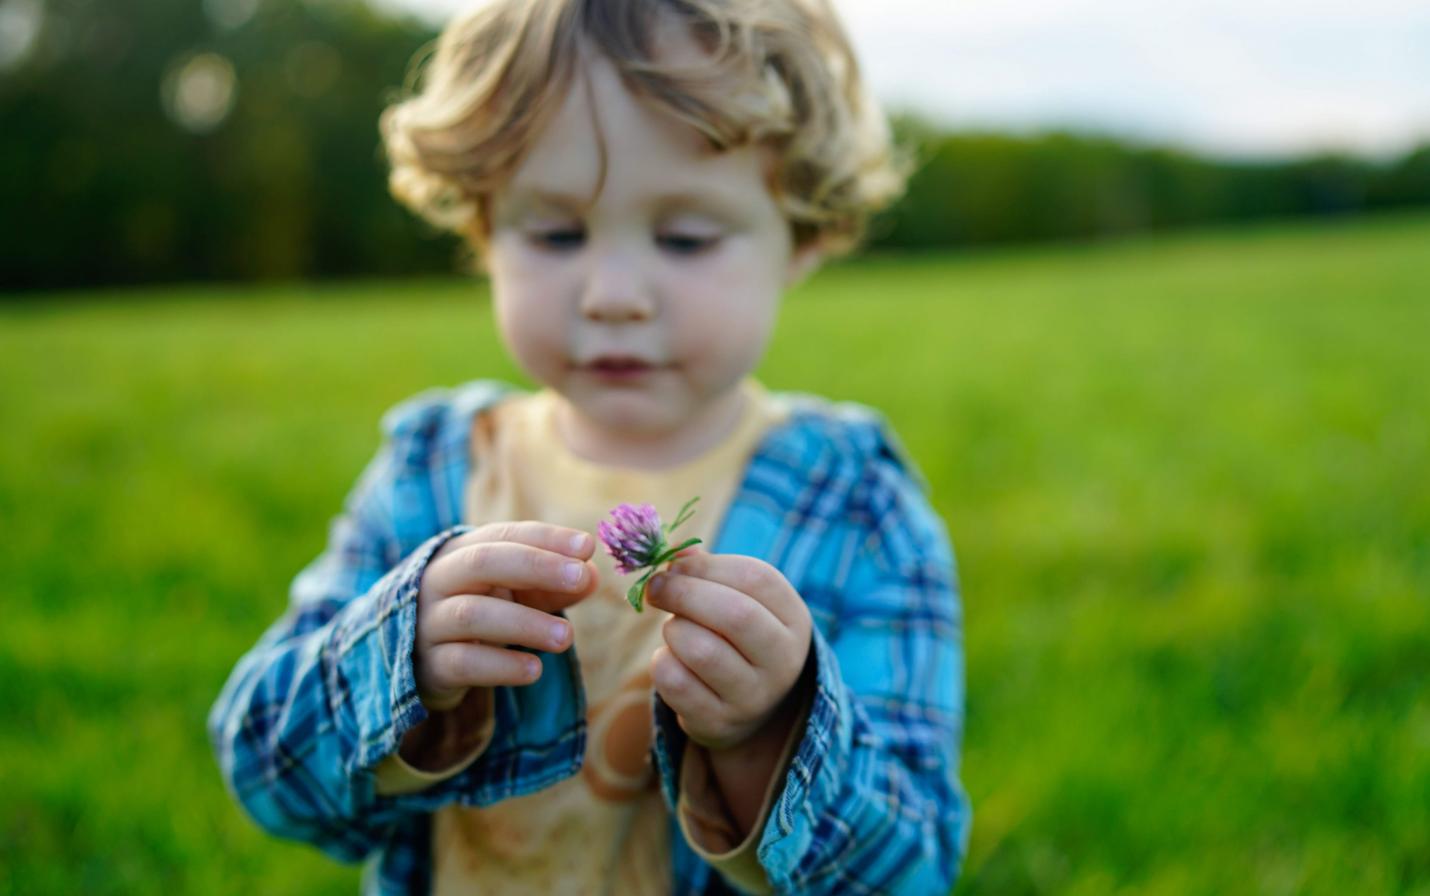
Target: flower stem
x,y
636,595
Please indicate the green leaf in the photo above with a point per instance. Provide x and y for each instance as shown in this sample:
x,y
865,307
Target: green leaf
x,y
684,514
669,553
636,595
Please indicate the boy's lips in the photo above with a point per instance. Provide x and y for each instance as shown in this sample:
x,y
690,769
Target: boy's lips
x,y
619,367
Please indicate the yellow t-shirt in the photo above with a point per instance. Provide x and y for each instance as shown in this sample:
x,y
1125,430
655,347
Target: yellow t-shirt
x,y
604,830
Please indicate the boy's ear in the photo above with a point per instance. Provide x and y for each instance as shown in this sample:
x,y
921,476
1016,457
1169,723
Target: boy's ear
x,y
803,262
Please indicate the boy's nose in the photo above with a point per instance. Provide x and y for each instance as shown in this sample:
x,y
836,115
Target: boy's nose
x,y
615,293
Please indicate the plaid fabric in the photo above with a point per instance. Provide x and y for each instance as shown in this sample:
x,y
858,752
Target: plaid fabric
x,y
872,802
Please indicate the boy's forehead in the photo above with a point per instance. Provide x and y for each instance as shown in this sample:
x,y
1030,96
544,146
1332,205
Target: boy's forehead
x,y
604,142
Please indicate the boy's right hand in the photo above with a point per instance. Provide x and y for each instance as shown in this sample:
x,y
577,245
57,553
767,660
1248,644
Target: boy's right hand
x,y
498,585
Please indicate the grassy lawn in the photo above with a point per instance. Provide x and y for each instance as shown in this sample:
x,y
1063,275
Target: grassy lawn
x,y
1186,479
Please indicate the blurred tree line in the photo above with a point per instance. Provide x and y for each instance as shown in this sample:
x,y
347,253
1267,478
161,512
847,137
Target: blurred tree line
x,y
202,139
158,140
972,189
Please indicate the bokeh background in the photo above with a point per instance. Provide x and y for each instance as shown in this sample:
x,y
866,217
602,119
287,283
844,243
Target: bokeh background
x,y
1152,319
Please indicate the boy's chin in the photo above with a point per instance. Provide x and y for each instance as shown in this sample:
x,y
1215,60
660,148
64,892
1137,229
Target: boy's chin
x,y
633,415
660,409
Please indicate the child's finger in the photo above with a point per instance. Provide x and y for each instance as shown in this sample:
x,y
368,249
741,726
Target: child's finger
x,y
558,539
457,665
477,568
478,617
547,601
714,660
743,621
680,688
748,576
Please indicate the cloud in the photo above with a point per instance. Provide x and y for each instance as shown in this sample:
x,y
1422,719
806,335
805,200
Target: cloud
x,y
1271,76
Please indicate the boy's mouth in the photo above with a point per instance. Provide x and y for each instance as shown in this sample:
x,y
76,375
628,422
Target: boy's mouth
x,y
619,366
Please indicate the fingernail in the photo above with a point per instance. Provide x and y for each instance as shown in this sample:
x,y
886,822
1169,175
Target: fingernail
x,y
578,543
558,633
533,667
657,584
571,572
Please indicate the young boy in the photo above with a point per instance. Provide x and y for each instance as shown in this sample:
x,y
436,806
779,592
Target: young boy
x,y
642,179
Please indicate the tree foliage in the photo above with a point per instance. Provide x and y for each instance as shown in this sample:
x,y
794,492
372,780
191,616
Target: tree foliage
x,y
160,140
107,184
974,189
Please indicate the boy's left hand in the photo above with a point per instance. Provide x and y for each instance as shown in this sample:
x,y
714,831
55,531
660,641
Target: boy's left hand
x,y
735,646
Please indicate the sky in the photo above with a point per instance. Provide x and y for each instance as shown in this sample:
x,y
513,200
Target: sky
x,y
1228,77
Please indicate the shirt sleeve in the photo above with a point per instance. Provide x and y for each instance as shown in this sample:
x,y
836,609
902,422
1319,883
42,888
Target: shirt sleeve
x,y
326,694
329,691
440,748
871,802
705,820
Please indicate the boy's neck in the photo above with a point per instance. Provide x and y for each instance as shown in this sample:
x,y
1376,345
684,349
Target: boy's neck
x,y
649,451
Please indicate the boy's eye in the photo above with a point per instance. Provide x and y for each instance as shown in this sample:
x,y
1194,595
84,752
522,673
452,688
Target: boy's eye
x,y
560,238
686,244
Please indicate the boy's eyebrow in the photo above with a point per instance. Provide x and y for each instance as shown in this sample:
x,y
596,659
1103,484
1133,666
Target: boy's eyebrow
x,y
525,197
674,201
696,200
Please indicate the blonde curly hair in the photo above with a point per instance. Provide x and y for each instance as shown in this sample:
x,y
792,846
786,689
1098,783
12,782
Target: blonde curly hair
x,y
776,73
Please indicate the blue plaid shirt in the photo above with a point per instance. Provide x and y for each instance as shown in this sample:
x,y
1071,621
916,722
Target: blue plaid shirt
x,y
871,803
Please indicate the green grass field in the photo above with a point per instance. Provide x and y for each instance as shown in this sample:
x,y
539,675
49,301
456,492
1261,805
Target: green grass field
x,y
1186,479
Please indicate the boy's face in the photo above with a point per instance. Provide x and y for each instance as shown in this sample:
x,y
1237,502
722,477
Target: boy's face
x,y
645,309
